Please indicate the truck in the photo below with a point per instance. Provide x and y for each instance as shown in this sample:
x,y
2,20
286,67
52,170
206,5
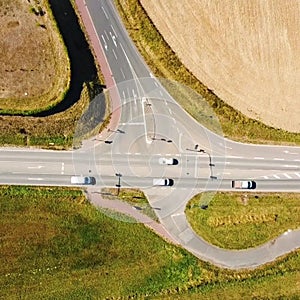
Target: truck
x,y
163,181
243,184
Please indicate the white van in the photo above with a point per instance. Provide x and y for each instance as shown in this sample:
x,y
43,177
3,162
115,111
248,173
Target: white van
x,y
83,180
163,181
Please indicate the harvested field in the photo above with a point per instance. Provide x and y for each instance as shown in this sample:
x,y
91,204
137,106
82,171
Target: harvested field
x,y
34,65
245,51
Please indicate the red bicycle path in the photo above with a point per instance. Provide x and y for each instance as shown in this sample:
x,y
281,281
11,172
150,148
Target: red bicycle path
x,y
115,104
96,199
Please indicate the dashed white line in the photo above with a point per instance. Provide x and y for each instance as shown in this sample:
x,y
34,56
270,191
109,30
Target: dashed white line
x,y
124,97
32,178
104,12
265,177
287,175
161,93
276,176
113,30
170,111
122,73
106,34
276,158
290,166
115,55
62,168
155,83
297,174
296,159
105,45
259,158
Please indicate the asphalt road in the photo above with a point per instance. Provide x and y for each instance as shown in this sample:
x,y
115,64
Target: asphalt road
x,y
153,125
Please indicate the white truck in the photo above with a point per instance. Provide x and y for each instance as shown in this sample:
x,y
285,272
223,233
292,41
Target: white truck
x,y
243,184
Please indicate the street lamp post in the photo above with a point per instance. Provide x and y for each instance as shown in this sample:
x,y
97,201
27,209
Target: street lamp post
x,y
118,185
210,162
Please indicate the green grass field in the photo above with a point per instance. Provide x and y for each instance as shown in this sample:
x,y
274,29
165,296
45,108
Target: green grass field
x,y
241,220
164,63
55,245
133,197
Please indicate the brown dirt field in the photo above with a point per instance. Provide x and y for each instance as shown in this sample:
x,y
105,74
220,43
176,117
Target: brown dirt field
x,y
34,67
247,52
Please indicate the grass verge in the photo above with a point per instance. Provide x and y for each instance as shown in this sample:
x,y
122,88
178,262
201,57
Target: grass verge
x,y
55,245
240,220
53,132
164,63
134,197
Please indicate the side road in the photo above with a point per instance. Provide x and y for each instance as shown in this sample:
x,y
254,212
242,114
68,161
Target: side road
x,y
104,66
96,199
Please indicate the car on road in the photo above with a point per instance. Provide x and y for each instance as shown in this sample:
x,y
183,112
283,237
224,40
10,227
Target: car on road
x,y
83,180
163,181
167,161
243,184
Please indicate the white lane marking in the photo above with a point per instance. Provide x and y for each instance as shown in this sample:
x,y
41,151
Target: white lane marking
x,y
136,123
287,175
112,28
106,34
124,97
228,147
290,166
152,76
276,176
288,152
34,178
297,174
62,168
137,153
134,96
113,38
296,159
225,173
37,167
229,156
105,45
259,158
227,162
161,93
122,73
265,177
155,83
174,121
276,158
104,12
170,111
115,55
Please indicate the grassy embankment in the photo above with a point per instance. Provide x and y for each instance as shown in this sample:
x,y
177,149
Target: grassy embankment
x,y
40,65
164,63
56,131
239,220
55,245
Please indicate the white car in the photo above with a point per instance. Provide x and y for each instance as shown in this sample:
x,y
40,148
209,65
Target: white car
x,y
83,180
163,181
167,161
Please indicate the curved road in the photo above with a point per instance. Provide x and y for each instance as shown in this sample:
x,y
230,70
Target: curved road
x,y
148,124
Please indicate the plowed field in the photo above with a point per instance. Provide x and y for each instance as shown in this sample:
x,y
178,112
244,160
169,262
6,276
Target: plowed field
x,y
247,52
